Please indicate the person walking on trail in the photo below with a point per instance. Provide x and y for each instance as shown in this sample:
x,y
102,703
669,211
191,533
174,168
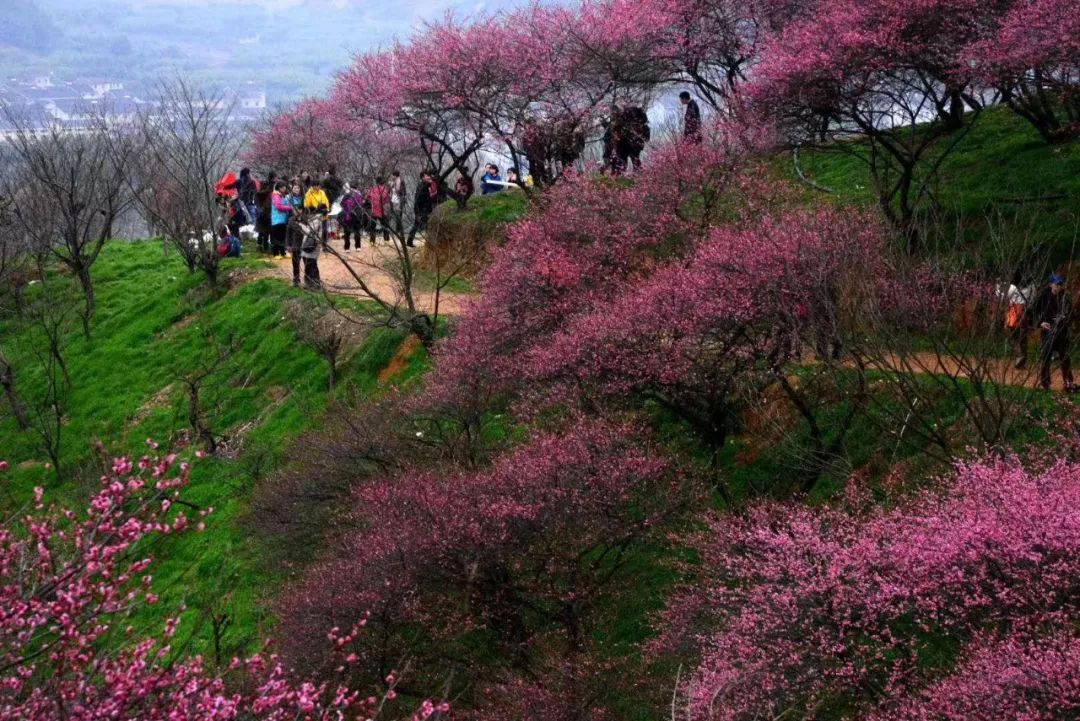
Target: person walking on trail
x,y
489,182
691,118
379,201
1052,313
424,202
351,218
397,202
1017,322
281,210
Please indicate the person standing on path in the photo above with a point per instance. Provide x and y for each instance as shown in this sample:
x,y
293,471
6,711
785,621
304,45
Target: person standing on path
x,y
313,235
263,219
1052,313
691,118
379,199
427,194
316,203
296,230
281,209
351,218
397,202
309,251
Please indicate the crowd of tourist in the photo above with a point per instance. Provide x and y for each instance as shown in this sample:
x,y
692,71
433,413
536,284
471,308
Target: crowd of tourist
x,y
295,217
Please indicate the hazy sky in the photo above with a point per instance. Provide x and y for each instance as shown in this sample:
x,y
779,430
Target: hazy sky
x,y
290,47
400,15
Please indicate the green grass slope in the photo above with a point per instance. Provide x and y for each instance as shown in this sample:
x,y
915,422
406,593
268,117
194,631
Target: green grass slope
x,y
155,323
1001,178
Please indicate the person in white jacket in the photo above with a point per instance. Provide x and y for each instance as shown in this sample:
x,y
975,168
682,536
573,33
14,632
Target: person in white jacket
x,y
1016,322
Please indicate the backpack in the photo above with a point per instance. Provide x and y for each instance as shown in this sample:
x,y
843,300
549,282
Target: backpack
x,y
348,208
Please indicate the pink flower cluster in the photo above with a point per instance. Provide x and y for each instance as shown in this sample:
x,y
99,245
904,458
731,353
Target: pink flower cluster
x,y
958,604
867,65
318,134
590,243
518,553
67,584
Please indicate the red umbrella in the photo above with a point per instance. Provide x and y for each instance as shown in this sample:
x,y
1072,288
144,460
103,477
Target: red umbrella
x,y
221,187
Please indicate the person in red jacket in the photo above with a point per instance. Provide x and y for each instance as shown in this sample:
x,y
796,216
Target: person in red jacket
x,y
379,198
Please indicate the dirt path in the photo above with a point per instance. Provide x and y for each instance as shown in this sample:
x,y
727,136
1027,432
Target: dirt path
x,y
1000,372
371,264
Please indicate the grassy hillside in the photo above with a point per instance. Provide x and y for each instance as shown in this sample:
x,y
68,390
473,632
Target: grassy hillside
x,y
484,218
155,323
1000,178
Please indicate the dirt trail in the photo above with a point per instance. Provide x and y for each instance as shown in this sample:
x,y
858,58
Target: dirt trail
x,y
370,263
1001,372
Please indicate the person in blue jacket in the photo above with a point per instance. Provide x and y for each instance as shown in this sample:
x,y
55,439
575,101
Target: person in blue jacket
x,y
489,179
280,212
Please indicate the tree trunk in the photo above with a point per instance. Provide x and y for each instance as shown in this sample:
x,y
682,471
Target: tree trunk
x,y
903,216
955,119
211,268
199,428
7,380
87,284
331,371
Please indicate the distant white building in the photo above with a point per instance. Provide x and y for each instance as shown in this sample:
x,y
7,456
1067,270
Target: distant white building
x,y
253,100
101,88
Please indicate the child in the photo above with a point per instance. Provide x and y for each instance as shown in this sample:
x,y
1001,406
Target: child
x,y
228,244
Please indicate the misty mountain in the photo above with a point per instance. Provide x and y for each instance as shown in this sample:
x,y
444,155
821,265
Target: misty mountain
x,y
27,27
289,48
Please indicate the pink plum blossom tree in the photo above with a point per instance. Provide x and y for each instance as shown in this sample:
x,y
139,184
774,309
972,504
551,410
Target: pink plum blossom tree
x,y
957,603
1031,55
510,562
69,583
889,73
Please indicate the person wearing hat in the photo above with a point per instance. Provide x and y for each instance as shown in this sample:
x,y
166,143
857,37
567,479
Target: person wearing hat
x,y
1052,314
